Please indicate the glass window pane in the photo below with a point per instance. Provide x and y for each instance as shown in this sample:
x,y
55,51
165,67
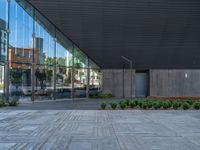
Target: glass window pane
x,y
93,65
64,61
20,49
44,43
44,49
3,27
80,59
80,82
44,82
63,51
63,82
95,81
3,41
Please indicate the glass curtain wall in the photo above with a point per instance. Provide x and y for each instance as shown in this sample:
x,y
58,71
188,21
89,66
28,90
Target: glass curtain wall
x,y
80,73
95,78
3,42
64,62
42,62
44,50
20,49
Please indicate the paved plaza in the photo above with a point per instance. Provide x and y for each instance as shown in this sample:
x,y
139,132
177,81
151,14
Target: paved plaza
x,y
99,129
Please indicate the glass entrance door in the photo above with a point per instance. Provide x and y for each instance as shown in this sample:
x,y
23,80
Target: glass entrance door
x,y
142,85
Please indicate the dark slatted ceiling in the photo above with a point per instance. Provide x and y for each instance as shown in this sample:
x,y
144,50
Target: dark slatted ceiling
x,y
153,33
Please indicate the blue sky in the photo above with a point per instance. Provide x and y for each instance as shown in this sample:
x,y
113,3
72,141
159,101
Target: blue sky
x,y
21,27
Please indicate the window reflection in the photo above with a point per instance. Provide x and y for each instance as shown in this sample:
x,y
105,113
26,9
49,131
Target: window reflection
x,y
63,82
20,79
80,73
40,57
20,51
3,42
44,82
44,51
63,71
95,81
95,78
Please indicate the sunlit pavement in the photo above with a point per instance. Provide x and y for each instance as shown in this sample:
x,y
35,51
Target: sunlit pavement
x,y
100,129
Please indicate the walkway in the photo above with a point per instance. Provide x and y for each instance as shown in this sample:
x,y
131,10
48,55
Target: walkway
x,y
99,130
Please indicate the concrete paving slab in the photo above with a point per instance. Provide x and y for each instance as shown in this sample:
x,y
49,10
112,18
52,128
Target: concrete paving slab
x,y
99,129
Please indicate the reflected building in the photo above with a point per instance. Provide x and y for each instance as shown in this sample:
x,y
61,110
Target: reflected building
x,y
22,56
3,50
3,40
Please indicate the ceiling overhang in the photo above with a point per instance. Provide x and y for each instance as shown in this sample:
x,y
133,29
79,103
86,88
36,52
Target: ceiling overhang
x,y
153,34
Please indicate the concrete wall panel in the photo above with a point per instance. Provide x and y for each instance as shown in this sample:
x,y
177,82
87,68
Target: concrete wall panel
x,y
163,82
112,82
174,82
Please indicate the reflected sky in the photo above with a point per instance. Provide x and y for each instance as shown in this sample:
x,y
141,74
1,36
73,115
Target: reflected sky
x,y
21,31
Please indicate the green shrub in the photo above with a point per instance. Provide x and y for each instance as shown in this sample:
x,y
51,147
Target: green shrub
x,y
12,101
2,103
122,104
189,101
186,105
176,105
170,103
196,105
144,105
103,105
136,102
149,104
127,102
156,105
132,104
122,101
103,95
2,97
140,103
113,105
165,105
179,103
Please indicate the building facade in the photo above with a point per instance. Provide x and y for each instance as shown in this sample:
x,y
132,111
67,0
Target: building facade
x,y
38,61
153,82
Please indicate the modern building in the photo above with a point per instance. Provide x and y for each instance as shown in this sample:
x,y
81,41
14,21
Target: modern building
x,y
68,49
38,60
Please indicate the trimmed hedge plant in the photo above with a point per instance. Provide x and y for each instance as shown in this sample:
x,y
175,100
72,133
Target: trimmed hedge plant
x,y
196,105
132,104
157,105
103,95
113,105
12,101
186,105
175,105
122,104
103,105
153,104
